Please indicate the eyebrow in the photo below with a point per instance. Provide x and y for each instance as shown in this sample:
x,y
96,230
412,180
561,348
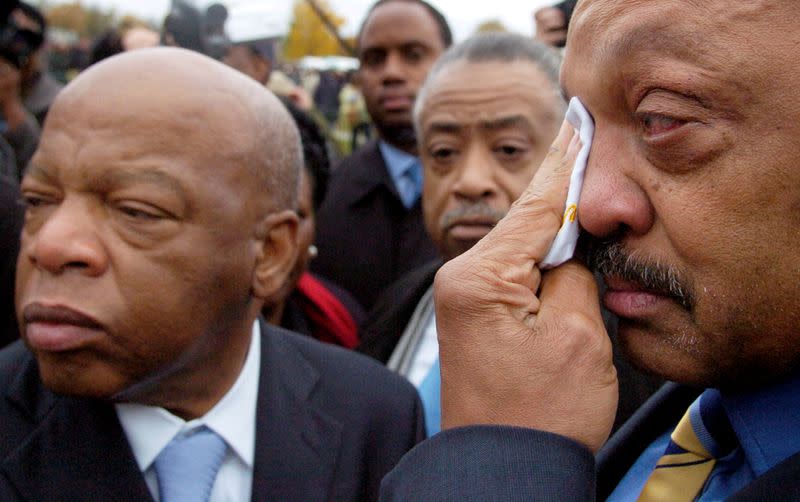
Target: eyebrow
x,y
487,125
150,175
506,122
115,177
408,44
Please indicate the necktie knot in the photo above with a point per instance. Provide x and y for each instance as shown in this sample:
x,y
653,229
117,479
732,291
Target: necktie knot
x,y
702,436
187,466
413,176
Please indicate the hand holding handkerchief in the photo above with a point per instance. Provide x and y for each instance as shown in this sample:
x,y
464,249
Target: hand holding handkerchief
x,y
567,237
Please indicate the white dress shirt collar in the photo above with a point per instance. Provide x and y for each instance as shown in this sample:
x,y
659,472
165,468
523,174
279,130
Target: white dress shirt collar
x,y
150,428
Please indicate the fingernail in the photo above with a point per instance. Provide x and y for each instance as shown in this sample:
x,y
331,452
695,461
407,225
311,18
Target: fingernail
x,y
576,137
563,138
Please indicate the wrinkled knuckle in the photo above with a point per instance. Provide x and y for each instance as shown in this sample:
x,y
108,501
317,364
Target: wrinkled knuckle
x,y
578,324
539,210
448,283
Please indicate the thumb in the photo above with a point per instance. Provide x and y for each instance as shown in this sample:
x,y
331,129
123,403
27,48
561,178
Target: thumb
x,y
535,218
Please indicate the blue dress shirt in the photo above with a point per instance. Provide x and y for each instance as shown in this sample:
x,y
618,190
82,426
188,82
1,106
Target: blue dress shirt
x,y
767,425
406,173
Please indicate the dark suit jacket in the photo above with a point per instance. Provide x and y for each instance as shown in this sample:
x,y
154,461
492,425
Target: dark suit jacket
x,y
329,425
385,323
366,238
387,320
507,463
11,217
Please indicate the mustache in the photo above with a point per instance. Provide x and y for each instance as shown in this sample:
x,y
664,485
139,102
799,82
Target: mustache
x,y
610,258
471,210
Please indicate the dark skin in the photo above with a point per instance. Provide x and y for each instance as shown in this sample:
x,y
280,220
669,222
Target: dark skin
x,y
485,128
11,107
399,43
690,168
551,26
248,62
173,254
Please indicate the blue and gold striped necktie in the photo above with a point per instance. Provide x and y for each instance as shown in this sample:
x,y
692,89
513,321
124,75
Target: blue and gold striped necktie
x,y
701,437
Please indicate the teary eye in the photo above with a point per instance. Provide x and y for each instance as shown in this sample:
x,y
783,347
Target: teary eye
x,y
655,124
33,200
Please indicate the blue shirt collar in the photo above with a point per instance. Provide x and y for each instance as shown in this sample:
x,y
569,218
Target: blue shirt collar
x,y
767,423
397,161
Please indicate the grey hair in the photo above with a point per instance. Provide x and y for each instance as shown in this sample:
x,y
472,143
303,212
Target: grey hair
x,y
490,47
279,154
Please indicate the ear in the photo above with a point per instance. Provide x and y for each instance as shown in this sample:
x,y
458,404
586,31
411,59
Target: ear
x,y
356,81
277,241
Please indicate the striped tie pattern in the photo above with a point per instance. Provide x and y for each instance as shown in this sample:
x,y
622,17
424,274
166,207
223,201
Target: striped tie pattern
x,y
701,437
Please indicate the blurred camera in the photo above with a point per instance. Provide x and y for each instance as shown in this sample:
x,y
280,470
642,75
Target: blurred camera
x,y
17,42
198,29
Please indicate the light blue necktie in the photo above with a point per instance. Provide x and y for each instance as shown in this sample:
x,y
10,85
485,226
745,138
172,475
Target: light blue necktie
x,y
413,186
187,466
430,392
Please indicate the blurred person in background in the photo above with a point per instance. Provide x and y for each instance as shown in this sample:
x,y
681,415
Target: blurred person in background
x,y
352,129
250,60
370,228
552,23
26,89
121,39
11,219
38,88
309,304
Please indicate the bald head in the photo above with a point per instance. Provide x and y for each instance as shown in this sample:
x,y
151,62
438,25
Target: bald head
x,y
163,189
182,100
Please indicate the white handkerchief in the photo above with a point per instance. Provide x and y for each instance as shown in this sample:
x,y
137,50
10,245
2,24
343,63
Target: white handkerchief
x,y
567,237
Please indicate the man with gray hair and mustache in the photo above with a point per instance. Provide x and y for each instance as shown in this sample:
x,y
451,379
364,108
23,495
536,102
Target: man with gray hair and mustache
x,y
485,118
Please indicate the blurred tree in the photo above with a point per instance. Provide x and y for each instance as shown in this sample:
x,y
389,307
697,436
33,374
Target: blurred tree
x,y
308,35
129,21
493,25
86,21
98,21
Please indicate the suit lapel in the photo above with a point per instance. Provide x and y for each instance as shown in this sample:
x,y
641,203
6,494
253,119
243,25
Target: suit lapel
x,y
296,444
370,174
77,452
782,482
391,313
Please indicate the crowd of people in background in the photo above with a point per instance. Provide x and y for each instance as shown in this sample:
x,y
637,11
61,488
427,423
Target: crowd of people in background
x,y
226,277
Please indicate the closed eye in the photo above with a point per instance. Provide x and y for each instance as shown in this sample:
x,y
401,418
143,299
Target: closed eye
x,y
34,200
141,212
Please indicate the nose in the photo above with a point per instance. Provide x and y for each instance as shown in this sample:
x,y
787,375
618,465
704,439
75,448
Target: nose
x,y
67,240
475,176
613,201
394,68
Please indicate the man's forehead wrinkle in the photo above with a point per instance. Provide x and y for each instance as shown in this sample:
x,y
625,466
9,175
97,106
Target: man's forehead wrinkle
x,y
40,171
128,175
505,122
443,126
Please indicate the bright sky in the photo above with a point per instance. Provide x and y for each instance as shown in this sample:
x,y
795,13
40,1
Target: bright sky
x,y
253,15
